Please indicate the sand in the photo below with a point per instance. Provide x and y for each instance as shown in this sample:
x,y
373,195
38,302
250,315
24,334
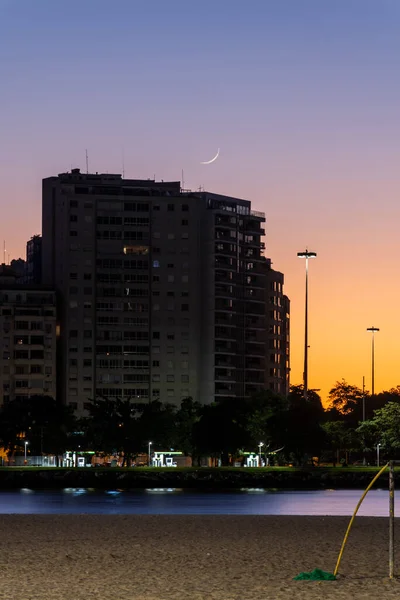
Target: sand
x,y
122,557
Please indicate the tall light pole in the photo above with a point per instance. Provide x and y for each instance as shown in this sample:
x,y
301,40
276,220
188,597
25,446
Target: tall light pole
x,y
373,329
306,255
149,454
26,445
377,454
260,445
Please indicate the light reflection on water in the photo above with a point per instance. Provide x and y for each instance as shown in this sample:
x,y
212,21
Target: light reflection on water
x,y
176,501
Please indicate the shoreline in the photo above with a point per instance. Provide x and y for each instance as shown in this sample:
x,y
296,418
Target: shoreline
x,y
318,478
127,557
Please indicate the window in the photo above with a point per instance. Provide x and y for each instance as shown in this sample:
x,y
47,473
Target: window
x,y
21,383
156,363
185,207
156,264
170,393
170,265
73,333
156,278
156,235
171,207
87,276
155,378
48,370
185,222
156,349
73,218
184,350
184,364
156,393
171,378
73,275
73,204
171,236
170,336
73,391
156,293
156,335
87,362
185,235
156,207
184,378
185,278
87,333
73,362
73,233
171,294
36,368
170,350
156,307
185,294
88,291
184,307
171,278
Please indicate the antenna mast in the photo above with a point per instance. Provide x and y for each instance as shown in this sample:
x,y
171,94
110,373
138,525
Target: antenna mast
x,y
4,251
87,163
183,181
123,164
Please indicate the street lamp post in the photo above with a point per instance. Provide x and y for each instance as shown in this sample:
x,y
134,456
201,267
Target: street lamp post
x,y
25,444
377,454
373,329
260,445
149,454
306,255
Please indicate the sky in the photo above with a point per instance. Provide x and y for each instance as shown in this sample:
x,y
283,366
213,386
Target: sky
x,y
301,96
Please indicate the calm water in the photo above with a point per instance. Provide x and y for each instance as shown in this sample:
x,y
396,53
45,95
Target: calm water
x,y
190,502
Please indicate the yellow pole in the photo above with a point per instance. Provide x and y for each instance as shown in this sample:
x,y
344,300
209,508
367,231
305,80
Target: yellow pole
x,y
353,517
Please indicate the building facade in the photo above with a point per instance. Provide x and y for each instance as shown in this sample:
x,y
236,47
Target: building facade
x,y
28,342
277,375
161,293
33,265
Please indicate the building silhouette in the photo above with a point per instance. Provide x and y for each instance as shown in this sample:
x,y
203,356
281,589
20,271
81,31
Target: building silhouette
x,y
28,339
162,293
33,265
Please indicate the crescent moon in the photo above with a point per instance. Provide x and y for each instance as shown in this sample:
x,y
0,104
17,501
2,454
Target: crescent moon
x,y
208,162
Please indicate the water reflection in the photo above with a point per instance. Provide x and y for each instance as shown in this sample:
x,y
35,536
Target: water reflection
x,y
176,501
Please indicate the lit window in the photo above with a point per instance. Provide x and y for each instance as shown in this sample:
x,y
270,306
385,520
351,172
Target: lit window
x,y
156,263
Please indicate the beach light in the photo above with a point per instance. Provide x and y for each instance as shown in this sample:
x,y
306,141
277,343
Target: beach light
x,y
373,329
149,454
25,444
260,445
306,255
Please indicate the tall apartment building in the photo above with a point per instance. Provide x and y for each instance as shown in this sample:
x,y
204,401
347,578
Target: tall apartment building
x,y
162,293
28,341
278,332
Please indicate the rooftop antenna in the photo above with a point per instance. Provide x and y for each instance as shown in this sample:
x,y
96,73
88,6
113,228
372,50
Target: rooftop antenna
x,y
183,181
4,246
87,163
9,259
123,164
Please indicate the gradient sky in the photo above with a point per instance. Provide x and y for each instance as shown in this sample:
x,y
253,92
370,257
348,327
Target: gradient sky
x,y
302,97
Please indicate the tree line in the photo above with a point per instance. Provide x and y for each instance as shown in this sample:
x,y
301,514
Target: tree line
x,y
307,432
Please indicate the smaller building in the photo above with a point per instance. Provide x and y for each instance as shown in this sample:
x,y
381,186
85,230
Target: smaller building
x,y
278,332
33,267
27,341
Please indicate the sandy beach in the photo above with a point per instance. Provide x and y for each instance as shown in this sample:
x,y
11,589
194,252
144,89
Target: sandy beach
x,y
191,557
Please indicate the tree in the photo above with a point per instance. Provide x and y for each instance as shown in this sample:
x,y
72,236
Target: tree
x,y
45,422
347,400
383,428
303,435
339,437
187,416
